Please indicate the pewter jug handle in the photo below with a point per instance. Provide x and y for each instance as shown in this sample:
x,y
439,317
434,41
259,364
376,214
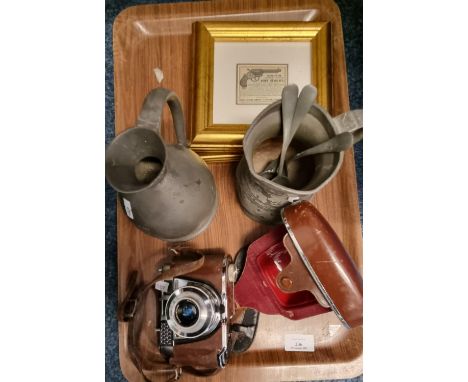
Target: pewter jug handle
x,y
352,122
151,113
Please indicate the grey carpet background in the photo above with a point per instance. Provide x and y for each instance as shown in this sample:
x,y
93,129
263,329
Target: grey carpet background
x,y
351,13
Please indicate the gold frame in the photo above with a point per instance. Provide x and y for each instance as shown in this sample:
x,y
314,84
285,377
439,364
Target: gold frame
x,y
223,142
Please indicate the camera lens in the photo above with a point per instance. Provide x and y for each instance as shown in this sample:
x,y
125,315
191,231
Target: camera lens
x,y
186,313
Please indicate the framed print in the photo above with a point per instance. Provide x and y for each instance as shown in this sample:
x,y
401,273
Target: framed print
x,y
241,67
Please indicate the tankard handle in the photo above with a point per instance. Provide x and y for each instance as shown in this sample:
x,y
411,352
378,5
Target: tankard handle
x,y
151,113
352,122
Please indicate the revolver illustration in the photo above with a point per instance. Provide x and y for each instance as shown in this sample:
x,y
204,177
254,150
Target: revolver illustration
x,y
254,75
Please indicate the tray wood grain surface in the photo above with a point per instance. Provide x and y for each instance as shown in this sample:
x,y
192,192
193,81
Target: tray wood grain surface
x,y
160,36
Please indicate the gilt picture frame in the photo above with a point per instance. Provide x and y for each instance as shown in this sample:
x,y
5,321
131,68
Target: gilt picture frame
x,y
241,67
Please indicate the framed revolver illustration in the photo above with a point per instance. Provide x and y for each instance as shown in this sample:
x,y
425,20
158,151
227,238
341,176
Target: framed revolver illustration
x,y
260,84
242,66
255,74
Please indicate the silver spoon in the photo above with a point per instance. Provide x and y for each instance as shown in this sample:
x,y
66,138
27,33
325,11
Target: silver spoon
x,y
288,106
340,142
304,103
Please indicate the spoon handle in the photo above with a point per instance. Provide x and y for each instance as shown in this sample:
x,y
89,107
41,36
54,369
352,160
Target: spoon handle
x,y
302,107
304,103
288,105
338,143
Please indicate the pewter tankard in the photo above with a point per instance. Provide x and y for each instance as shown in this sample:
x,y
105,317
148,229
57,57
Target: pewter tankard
x,y
166,190
261,198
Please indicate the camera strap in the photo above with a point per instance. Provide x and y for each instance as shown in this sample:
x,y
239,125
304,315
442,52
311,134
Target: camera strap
x,y
131,311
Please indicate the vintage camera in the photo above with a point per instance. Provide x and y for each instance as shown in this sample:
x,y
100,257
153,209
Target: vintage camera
x,y
194,315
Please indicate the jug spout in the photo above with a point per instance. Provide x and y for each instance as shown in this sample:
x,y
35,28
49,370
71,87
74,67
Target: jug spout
x,y
135,160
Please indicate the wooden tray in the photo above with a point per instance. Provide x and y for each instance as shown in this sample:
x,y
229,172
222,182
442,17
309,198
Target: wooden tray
x,y
159,36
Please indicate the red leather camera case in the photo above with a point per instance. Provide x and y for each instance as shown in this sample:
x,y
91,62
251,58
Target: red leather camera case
x,y
301,269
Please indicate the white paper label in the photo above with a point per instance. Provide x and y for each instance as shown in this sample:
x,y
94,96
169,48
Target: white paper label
x,y
161,285
299,342
159,74
128,208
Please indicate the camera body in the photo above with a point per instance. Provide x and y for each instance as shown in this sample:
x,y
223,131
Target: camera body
x,y
194,315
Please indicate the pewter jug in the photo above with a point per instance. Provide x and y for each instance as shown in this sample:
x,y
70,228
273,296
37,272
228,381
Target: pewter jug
x,y
261,198
166,190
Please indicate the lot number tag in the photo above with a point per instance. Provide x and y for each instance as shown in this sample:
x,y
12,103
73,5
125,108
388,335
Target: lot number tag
x,y
299,342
